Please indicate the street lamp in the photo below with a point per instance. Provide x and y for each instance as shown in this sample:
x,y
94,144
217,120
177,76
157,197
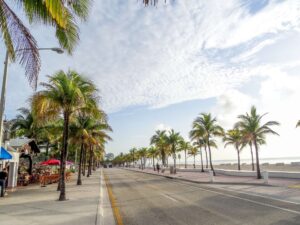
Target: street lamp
x,y
3,90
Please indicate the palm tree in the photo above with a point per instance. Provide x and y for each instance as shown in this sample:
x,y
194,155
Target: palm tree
x,y
209,128
194,151
234,137
142,152
152,153
133,152
84,127
65,94
250,126
198,145
97,137
60,14
184,146
196,134
173,139
160,141
25,124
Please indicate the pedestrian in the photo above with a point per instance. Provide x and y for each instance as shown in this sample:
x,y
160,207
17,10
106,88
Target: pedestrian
x,y
3,178
157,167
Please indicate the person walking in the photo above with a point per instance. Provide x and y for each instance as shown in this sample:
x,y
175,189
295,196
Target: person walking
x,y
157,167
3,177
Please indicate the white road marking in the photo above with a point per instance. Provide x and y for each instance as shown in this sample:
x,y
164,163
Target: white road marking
x,y
101,194
245,199
236,197
167,196
257,195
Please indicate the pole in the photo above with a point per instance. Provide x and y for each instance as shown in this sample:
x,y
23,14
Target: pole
x,y
2,100
3,90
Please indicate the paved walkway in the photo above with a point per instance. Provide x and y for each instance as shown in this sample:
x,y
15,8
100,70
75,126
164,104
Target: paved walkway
x,y
282,189
34,205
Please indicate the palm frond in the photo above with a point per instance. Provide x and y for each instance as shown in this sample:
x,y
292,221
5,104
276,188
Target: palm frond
x,y
19,39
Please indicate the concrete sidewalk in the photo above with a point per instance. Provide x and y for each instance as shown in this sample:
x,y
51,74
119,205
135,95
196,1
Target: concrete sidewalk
x,y
279,189
34,205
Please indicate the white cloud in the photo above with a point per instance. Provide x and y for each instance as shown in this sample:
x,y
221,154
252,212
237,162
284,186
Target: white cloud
x,y
162,127
157,56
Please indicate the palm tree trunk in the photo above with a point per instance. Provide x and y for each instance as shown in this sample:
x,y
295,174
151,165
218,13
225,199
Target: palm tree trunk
x,y
79,182
239,161
47,150
94,164
153,163
210,158
206,166
202,170
194,161
133,158
163,157
185,166
89,172
84,162
174,156
252,156
62,196
257,160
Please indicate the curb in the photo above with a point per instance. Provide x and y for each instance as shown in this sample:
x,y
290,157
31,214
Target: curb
x,y
199,182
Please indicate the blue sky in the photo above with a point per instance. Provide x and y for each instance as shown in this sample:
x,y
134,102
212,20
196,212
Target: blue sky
x,y
158,67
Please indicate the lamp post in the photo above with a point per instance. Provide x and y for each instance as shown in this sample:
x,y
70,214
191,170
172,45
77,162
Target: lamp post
x,y
4,81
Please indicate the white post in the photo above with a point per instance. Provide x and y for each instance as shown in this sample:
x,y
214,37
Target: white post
x,y
211,175
266,177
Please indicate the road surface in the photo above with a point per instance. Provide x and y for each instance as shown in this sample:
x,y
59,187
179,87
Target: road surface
x,y
143,199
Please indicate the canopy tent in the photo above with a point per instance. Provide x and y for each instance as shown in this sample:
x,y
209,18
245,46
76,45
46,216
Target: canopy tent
x,y
54,162
4,154
51,162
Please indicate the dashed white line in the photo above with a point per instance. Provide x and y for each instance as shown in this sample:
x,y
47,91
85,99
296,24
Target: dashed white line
x,y
169,197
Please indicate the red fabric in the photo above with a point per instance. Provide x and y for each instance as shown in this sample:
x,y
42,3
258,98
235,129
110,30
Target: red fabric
x,y
51,162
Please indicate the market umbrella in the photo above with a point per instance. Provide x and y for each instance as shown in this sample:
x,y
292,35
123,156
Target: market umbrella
x,y
51,162
4,154
69,163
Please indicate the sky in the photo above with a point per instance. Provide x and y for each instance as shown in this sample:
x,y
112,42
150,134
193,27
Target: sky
x,y
159,67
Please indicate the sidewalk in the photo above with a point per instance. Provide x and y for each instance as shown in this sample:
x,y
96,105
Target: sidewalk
x,y
34,205
281,189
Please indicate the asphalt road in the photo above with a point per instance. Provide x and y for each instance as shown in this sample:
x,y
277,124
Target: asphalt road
x,y
144,199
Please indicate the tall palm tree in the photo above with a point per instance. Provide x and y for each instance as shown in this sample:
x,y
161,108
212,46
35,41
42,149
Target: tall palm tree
x,y
65,94
25,124
234,137
84,127
194,151
209,128
142,152
173,139
199,145
252,128
60,14
160,141
153,153
184,146
97,137
133,153
197,134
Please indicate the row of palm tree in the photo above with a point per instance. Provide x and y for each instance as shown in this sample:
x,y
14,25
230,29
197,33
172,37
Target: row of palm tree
x,y
249,130
66,112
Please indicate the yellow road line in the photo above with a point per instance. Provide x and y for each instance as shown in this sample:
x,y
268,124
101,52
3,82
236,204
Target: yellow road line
x,y
295,186
113,202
